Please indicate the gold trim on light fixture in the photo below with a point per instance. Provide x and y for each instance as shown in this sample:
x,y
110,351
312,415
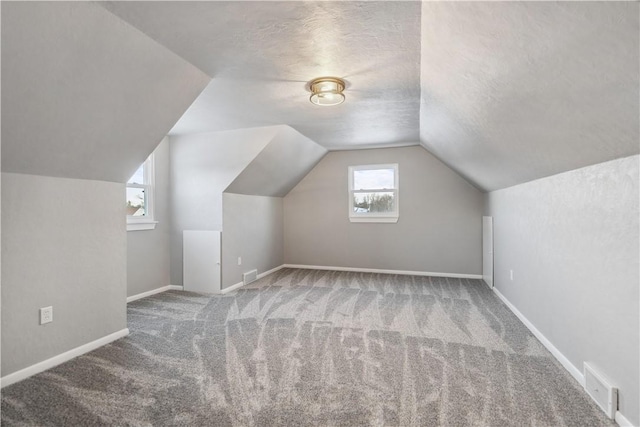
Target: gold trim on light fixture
x,y
327,91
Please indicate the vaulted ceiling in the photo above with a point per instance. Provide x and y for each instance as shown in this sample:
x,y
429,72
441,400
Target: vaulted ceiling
x,y
502,92
262,54
515,91
84,94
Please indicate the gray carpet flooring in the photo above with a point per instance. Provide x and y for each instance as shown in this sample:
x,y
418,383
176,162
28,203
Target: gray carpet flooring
x,y
313,348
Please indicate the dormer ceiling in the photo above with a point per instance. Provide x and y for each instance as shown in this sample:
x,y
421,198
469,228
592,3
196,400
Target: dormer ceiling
x,y
84,94
261,55
503,92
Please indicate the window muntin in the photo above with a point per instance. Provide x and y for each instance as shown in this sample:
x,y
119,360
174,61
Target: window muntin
x,y
139,197
373,193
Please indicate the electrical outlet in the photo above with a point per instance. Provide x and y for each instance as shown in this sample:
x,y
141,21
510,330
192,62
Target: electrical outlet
x,y
239,260
511,275
46,315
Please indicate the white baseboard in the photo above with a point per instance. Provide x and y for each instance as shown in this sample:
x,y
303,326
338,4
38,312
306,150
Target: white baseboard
x,y
361,270
231,288
268,272
153,292
622,421
61,358
375,270
575,372
260,276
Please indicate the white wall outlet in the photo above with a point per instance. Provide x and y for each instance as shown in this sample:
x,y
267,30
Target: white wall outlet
x,y
239,260
46,315
511,275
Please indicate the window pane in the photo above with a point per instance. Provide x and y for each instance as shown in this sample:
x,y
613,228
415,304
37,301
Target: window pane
x,y
138,176
135,202
373,179
377,202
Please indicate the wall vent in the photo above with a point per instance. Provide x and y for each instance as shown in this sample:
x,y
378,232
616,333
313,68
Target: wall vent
x,y
250,276
600,390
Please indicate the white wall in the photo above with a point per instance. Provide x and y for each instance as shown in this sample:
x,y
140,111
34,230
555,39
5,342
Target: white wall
x,y
253,230
63,244
439,229
201,167
148,250
572,243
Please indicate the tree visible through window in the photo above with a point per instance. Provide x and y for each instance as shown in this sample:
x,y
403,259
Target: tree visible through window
x,y
373,193
136,193
139,197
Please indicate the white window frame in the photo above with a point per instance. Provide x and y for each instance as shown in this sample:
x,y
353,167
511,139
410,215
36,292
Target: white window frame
x,y
375,216
148,221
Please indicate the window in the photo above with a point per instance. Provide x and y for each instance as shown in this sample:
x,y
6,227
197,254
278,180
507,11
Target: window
x,y
373,193
140,198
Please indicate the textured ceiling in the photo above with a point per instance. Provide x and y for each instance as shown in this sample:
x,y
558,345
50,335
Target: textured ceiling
x,y
77,104
515,91
262,54
286,159
503,92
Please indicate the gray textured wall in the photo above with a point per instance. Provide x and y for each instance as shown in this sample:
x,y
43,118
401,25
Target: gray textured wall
x,y
205,165
253,230
148,250
572,242
440,223
63,244
201,167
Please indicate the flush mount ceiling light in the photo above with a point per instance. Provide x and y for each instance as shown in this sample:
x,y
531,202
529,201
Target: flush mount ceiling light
x,y
327,91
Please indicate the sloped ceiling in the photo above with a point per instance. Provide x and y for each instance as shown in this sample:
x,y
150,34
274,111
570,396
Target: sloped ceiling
x,y
515,91
503,92
84,94
287,158
202,166
262,54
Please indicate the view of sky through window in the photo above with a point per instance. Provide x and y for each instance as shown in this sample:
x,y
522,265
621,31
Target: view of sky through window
x,y
138,176
373,179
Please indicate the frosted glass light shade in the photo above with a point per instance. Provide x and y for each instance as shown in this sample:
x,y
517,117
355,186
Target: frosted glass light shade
x,y
327,91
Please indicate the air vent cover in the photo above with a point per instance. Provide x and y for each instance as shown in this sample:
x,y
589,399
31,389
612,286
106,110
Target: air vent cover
x,y
600,390
250,276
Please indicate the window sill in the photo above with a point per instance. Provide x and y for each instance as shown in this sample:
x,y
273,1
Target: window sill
x,y
387,219
141,225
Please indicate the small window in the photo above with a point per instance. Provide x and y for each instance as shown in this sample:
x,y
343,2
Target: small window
x,y
373,193
139,198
